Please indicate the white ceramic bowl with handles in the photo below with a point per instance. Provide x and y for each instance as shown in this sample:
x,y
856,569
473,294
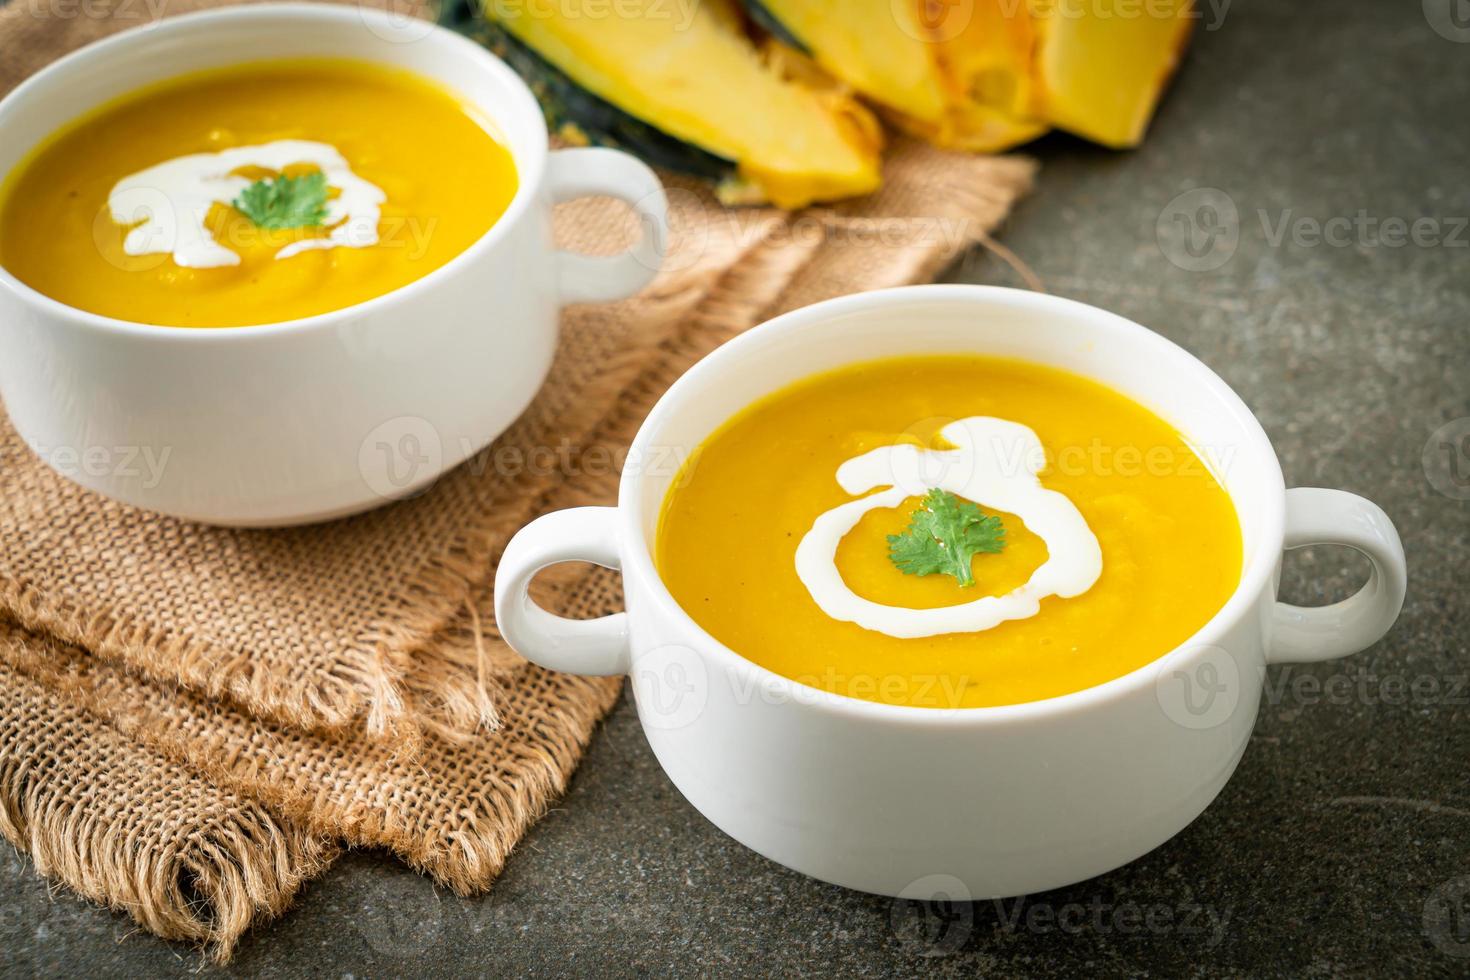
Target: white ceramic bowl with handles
x,y
977,802
318,417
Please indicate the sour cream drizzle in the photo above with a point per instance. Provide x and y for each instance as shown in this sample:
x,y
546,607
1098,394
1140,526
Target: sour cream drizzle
x,y
172,199
994,464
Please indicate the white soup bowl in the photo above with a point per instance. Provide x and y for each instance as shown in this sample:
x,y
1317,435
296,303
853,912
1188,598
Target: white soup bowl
x,y
324,416
968,802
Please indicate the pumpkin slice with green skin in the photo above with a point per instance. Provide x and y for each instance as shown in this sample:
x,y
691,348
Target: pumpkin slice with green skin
x,y
955,74
772,25
879,47
691,74
579,117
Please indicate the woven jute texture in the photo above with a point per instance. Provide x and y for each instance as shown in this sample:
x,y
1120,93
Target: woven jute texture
x,y
210,711
124,826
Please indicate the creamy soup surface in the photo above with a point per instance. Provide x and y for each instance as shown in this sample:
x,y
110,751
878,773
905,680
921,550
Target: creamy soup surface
x,y
1165,530
131,211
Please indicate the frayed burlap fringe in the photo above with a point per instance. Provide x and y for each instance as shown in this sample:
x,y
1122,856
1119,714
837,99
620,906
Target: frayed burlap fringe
x,y
454,810
124,827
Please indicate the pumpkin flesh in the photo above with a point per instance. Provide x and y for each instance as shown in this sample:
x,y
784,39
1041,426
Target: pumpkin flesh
x,y
698,78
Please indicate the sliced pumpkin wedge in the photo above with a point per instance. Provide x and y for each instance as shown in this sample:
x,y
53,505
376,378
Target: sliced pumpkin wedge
x,y
984,51
879,47
1103,65
689,74
988,57
954,72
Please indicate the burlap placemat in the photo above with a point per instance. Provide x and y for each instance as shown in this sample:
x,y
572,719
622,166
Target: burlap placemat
x,y
126,827
251,657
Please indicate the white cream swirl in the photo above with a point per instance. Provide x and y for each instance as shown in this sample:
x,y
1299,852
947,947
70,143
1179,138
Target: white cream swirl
x,y
994,464
173,198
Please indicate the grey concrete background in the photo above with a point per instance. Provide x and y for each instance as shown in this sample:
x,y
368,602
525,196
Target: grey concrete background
x,y
1342,845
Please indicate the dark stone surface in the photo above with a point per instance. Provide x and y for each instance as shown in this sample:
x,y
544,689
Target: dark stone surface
x,y
1349,818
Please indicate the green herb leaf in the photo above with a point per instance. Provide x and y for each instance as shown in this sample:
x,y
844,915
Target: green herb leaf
x,y
286,202
942,537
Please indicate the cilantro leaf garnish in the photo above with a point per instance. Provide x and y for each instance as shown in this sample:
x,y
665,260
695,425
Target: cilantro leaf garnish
x,y
943,535
285,202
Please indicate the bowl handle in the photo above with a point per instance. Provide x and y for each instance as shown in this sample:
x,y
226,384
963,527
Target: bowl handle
x,y
575,646
1304,634
598,171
